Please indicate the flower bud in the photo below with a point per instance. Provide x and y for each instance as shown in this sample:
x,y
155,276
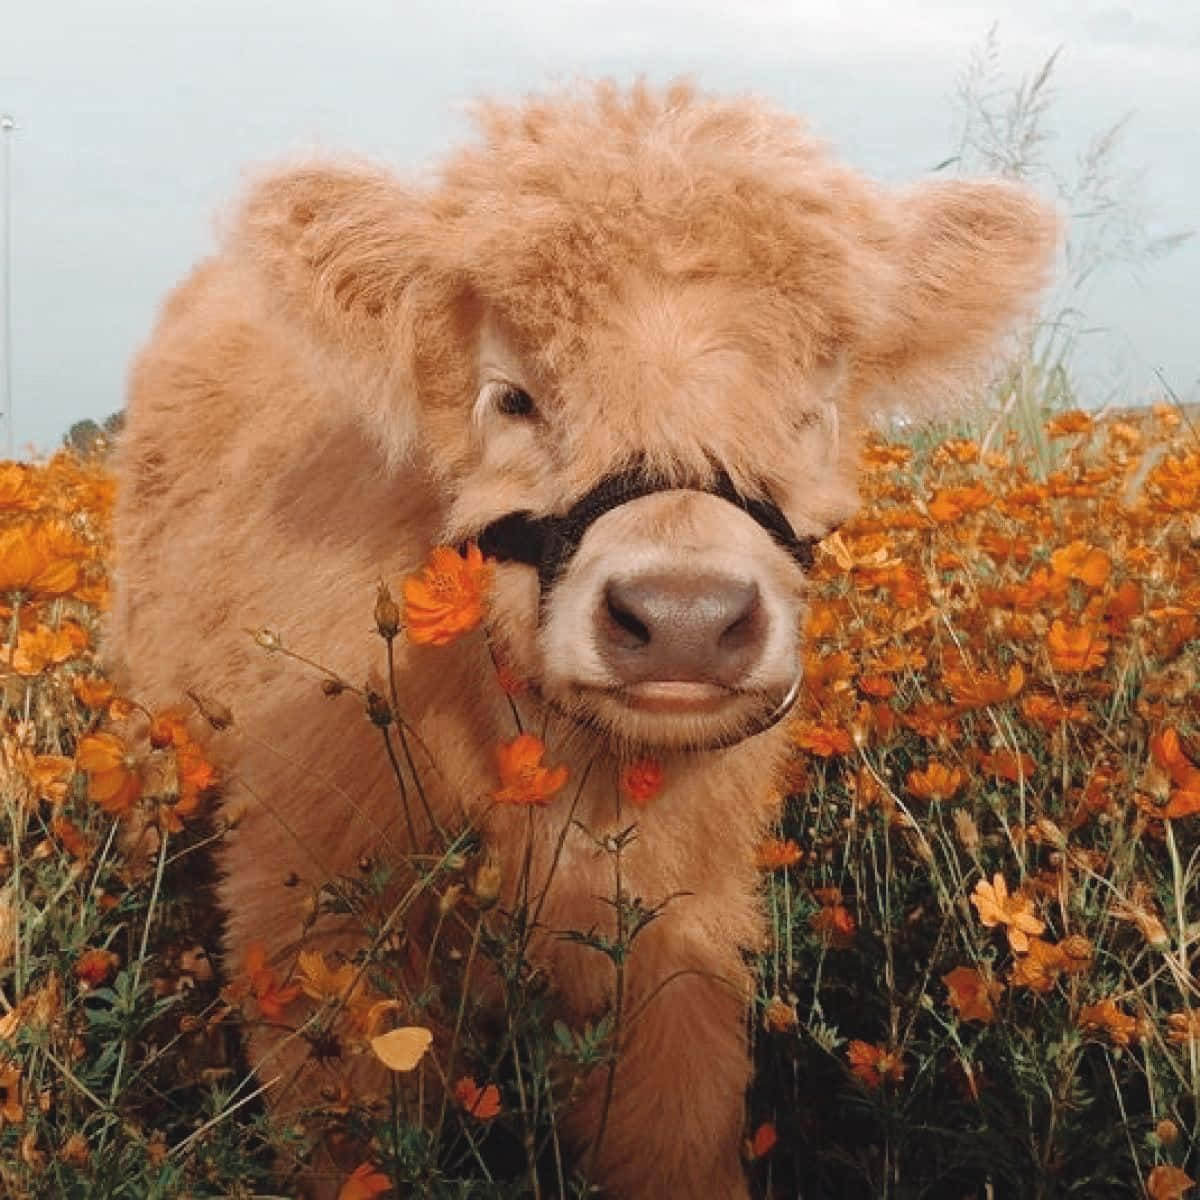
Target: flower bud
x,y
387,613
486,885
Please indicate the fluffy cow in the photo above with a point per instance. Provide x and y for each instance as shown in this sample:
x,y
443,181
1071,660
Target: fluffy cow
x,y
629,340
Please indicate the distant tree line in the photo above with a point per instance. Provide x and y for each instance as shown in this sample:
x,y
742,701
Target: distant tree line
x,y
89,437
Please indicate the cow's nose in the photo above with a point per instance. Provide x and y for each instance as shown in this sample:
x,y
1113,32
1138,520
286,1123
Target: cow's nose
x,y
681,625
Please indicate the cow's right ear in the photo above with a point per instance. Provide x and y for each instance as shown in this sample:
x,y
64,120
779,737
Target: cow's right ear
x,y
338,251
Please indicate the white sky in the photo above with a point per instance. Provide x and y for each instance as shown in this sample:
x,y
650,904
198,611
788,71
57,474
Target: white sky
x,y
138,116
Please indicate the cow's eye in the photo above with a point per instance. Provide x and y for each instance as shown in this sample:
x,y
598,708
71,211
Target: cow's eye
x,y
515,402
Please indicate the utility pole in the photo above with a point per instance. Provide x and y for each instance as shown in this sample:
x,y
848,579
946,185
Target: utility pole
x,y
7,126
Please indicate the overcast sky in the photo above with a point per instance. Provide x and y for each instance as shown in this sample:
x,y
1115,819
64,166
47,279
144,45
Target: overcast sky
x,y
137,118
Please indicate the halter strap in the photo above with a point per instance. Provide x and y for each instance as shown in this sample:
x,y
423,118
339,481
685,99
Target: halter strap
x,y
549,542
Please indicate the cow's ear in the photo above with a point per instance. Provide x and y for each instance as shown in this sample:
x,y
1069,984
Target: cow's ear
x,y
339,254
965,261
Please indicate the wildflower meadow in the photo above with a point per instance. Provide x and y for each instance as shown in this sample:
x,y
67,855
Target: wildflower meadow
x,y
980,979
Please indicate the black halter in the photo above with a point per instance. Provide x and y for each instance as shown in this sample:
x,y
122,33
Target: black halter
x,y
548,543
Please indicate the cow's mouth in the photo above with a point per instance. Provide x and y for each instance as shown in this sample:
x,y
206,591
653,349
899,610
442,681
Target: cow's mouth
x,y
675,714
675,696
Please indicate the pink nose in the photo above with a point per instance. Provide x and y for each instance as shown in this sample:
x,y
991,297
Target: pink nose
x,y
681,625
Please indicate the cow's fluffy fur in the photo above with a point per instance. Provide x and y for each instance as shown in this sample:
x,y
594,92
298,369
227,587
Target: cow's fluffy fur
x,y
673,277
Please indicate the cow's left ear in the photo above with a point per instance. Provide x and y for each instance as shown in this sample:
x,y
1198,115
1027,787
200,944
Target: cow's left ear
x,y
964,262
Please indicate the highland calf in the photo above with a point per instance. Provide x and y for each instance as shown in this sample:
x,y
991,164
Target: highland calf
x,y
628,342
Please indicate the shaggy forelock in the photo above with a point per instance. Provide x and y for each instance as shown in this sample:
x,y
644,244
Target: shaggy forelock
x,y
568,196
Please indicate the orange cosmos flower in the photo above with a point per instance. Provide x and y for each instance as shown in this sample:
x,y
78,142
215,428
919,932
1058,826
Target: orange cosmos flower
x,y
834,924
1006,765
972,994
1168,1183
762,1142
92,691
523,779
1074,420
822,740
1107,1018
43,647
264,983
1075,648
977,689
113,780
50,775
641,781
1088,564
1047,712
39,560
448,597
936,782
17,486
71,837
874,1064
12,1109
364,1183
1184,1027
1015,912
93,967
481,1103
773,854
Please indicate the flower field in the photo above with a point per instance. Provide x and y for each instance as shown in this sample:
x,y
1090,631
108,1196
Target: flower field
x,y
984,896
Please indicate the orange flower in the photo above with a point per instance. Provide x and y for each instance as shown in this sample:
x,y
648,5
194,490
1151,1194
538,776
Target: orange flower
x,y
949,504
1168,1183
93,967
93,691
12,1109
762,1141
72,838
1015,912
822,740
1076,648
641,781
51,776
972,994
874,1064
448,597
482,1103
17,486
364,1183
977,689
1006,765
1106,1017
1074,420
1047,712
43,647
936,782
833,922
264,983
113,781
38,560
1184,1027
773,854
1083,562
523,779
879,686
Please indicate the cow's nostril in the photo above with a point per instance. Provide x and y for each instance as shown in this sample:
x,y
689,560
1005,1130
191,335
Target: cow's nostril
x,y
745,630
620,615
681,625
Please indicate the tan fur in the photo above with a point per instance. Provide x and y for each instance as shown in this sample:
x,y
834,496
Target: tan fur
x,y
671,276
